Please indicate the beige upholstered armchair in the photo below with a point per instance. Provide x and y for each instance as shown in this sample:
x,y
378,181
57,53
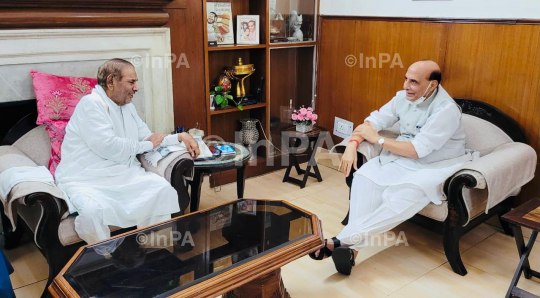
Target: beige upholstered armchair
x,y
484,187
39,208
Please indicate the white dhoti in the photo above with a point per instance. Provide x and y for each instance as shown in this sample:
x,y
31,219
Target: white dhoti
x,y
383,196
141,199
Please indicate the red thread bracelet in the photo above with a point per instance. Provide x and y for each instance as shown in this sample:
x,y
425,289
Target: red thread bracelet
x,y
357,142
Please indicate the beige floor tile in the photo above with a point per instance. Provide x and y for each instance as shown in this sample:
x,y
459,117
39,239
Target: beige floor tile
x,y
421,236
308,278
444,283
396,266
498,256
31,291
270,186
29,264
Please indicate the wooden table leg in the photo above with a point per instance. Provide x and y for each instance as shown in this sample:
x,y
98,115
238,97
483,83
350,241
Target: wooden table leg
x,y
267,286
195,186
240,181
523,265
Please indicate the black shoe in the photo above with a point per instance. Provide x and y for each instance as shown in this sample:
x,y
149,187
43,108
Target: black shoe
x,y
325,251
343,258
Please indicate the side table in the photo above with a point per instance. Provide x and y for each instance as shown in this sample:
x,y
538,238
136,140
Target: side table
x,y
236,161
314,138
526,215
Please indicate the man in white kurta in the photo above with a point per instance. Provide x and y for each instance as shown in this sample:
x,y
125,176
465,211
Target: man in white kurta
x,y
408,174
99,170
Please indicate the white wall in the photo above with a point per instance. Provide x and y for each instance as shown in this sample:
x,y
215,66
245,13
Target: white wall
x,y
462,9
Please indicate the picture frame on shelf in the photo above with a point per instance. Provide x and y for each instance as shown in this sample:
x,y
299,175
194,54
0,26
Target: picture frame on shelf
x,y
247,29
219,23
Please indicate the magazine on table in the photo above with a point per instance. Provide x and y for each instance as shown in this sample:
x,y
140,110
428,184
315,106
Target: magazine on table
x,y
226,149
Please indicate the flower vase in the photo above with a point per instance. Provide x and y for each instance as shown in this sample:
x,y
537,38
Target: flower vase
x,y
304,128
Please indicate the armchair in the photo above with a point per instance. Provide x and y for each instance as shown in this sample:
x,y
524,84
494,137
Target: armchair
x,y
38,208
477,192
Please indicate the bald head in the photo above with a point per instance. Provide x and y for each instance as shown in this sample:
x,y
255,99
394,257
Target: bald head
x,y
422,77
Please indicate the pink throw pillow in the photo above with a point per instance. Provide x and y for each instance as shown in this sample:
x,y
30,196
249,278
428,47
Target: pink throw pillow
x,y
57,97
57,131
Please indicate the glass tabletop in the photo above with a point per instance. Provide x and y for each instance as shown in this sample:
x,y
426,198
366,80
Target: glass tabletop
x,y
241,155
163,260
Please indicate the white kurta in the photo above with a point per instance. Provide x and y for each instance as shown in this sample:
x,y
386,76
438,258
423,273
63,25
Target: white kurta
x,y
385,195
101,175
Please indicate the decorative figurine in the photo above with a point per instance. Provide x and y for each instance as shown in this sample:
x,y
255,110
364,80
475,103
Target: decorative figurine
x,y
295,22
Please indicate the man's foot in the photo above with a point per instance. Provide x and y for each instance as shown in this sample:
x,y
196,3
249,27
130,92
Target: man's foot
x,y
343,258
326,251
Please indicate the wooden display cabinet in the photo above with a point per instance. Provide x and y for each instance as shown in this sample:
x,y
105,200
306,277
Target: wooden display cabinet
x,y
283,71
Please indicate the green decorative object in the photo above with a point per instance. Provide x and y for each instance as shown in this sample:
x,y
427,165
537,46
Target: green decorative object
x,y
222,97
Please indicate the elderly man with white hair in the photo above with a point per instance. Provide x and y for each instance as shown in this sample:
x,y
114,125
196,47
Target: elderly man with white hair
x,y
99,170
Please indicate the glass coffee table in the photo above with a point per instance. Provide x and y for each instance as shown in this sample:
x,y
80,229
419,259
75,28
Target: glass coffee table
x,y
235,249
203,168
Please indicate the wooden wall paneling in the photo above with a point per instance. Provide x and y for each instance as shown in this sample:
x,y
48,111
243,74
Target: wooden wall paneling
x,y
500,65
335,79
189,92
22,18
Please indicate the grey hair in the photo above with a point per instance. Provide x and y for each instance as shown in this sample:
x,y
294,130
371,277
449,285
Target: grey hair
x,y
114,67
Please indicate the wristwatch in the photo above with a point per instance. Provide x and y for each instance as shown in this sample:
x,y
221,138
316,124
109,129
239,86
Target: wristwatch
x,y
381,141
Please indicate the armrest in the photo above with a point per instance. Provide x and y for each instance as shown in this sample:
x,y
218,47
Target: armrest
x,y
25,192
166,165
495,176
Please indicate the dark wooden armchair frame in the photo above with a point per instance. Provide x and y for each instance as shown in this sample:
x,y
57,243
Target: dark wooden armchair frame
x,y
46,233
453,228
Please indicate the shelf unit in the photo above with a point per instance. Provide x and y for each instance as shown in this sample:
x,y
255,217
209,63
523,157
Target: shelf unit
x,y
283,71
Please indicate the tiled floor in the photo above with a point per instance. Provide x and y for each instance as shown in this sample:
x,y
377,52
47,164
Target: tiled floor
x,y
417,270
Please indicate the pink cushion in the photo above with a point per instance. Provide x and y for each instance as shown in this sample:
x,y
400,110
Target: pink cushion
x,y
56,98
57,131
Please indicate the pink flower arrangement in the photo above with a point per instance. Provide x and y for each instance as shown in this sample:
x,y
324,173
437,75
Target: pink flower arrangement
x,y
305,116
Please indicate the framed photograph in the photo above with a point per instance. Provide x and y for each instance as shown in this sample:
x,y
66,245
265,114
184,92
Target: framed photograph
x,y
247,29
219,23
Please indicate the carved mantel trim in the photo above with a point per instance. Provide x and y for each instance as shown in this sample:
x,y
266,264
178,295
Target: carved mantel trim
x,y
26,14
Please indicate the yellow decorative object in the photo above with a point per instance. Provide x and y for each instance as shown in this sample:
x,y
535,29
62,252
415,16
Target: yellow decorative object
x,y
239,73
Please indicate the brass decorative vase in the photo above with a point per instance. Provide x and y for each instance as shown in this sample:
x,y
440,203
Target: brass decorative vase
x,y
239,73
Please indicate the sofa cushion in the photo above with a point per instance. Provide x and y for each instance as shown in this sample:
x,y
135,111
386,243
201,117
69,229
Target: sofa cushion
x,y
67,233
57,97
482,135
36,145
436,212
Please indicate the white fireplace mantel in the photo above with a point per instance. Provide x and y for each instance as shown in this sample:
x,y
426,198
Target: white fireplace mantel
x,y
79,52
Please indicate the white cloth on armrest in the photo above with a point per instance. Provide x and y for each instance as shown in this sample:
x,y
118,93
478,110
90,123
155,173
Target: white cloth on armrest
x,y
506,170
13,176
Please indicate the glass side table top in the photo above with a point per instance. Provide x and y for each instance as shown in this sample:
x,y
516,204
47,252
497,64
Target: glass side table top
x,y
241,155
168,258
